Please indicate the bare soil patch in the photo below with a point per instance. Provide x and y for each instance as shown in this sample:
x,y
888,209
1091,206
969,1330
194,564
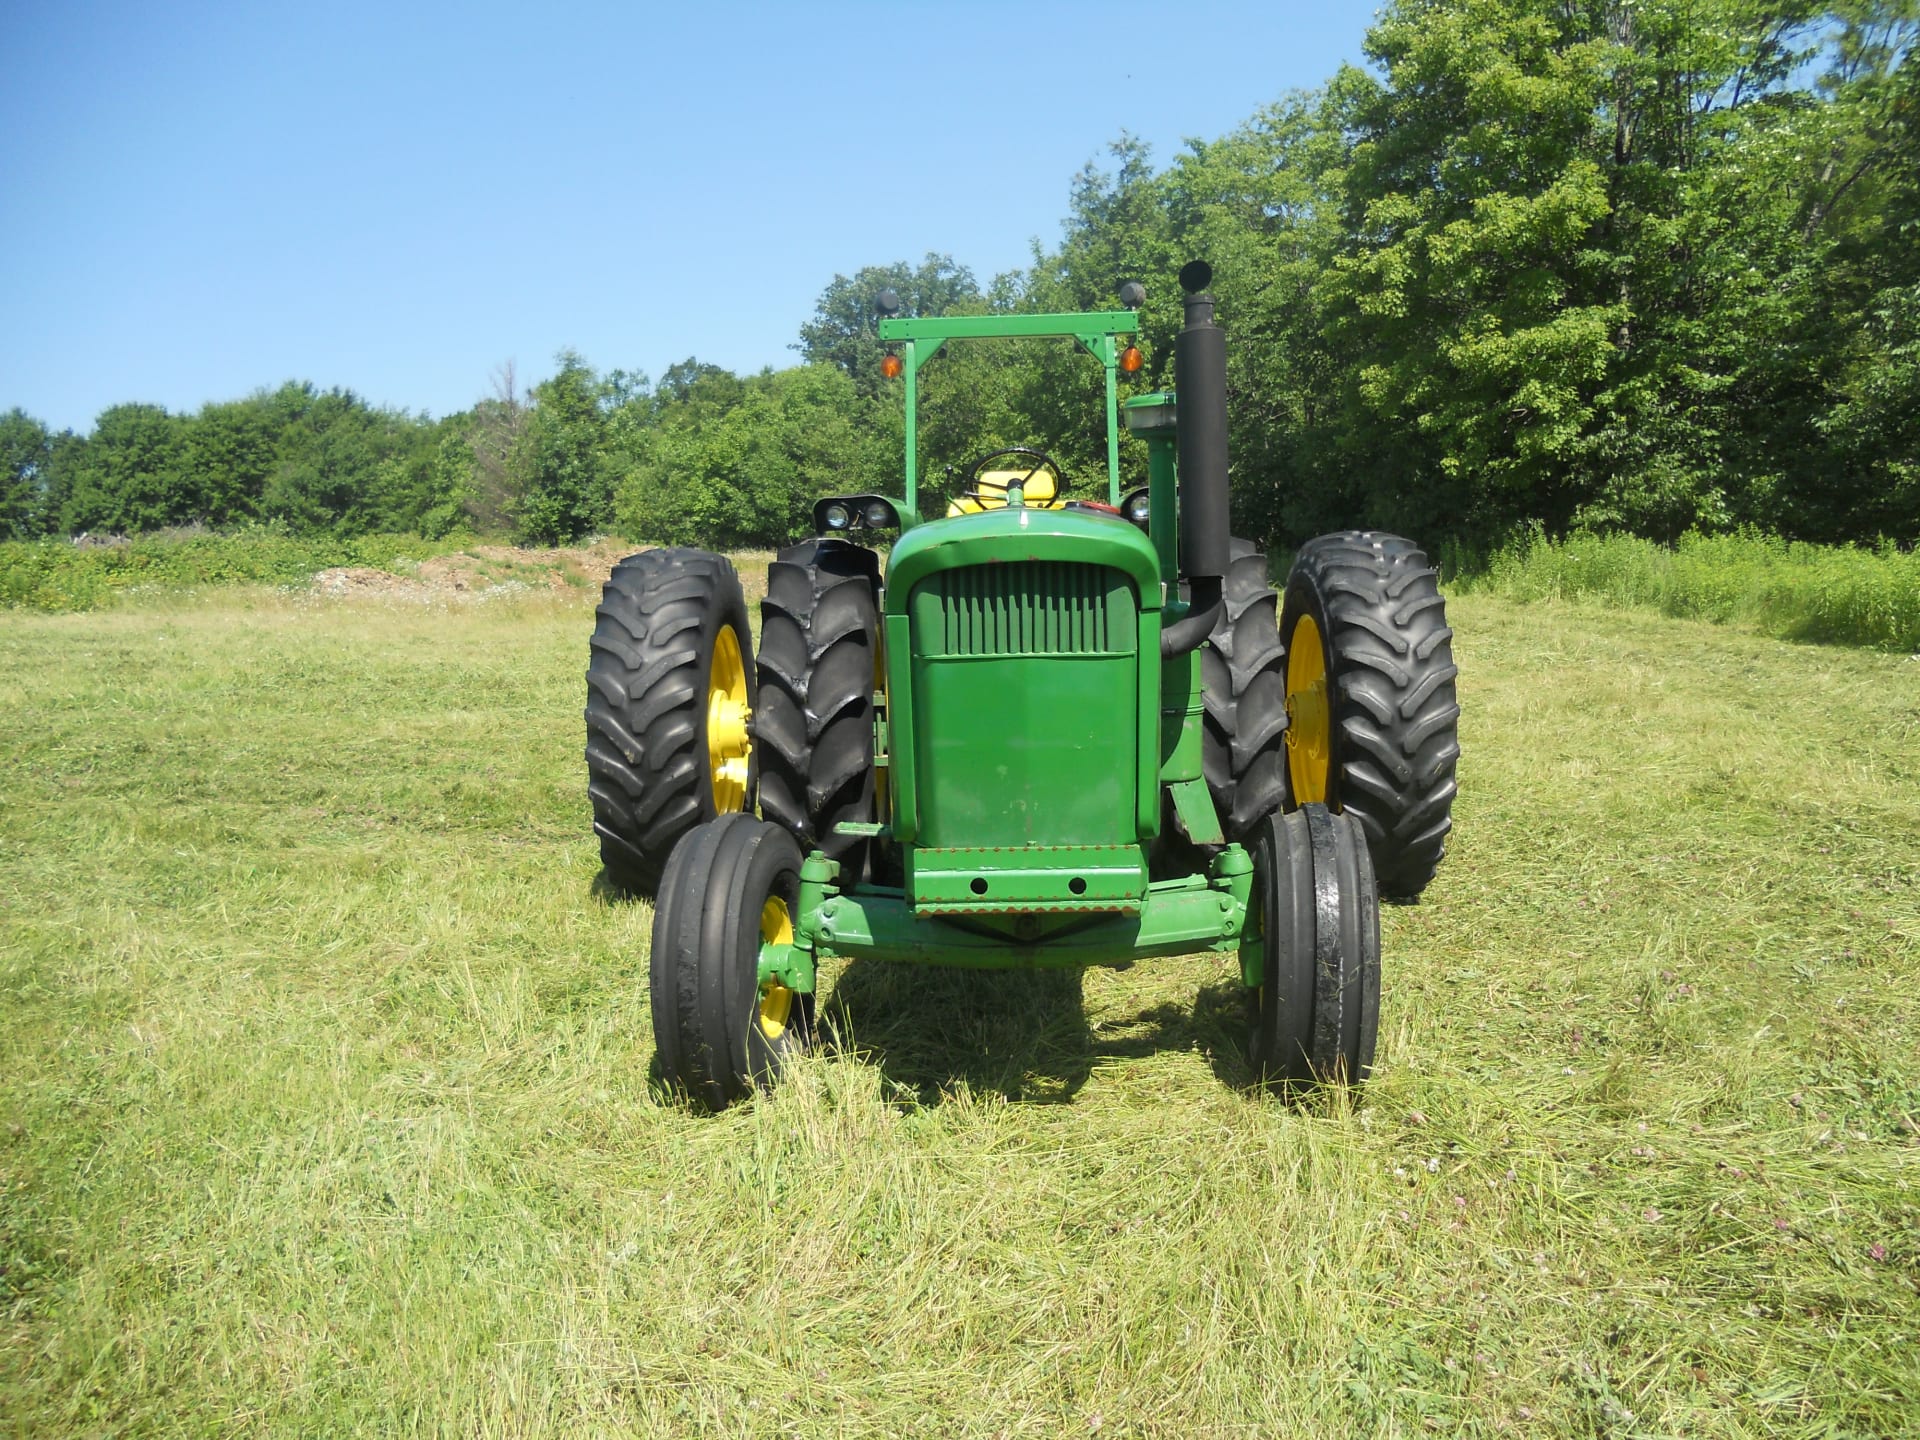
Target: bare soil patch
x,y
479,572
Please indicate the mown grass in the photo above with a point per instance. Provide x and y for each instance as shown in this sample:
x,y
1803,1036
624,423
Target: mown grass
x,y
324,1099
1834,593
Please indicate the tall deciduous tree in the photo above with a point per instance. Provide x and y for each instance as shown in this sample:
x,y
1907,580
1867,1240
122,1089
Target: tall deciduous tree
x,y
128,474
843,329
568,493
25,450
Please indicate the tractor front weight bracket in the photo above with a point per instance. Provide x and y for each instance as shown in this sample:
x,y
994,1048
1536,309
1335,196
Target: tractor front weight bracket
x,y
1233,871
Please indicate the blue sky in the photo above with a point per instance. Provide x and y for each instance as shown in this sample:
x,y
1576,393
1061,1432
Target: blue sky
x,y
197,200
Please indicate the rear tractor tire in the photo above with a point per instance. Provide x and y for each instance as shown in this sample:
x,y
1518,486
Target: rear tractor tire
x,y
1373,725
819,659
1315,916
670,697
731,887
1243,674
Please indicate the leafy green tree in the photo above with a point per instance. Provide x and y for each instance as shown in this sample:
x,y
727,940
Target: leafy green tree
x,y
568,493
726,466
843,331
128,475
328,456
1828,409
232,447
451,470
346,468
26,449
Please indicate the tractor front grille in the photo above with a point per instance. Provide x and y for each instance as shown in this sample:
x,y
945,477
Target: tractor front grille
x,y
1028,607
1025,707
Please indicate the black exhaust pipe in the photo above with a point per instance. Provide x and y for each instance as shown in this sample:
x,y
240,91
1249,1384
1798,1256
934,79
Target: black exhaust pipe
x,y
1200,383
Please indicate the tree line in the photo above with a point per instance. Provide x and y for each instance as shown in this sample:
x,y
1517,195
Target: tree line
x,y
1627,265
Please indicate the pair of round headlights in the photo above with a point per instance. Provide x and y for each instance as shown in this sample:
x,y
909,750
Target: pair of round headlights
x,y
856,511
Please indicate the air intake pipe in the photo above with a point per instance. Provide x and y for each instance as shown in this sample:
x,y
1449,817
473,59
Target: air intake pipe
x,y
1200,382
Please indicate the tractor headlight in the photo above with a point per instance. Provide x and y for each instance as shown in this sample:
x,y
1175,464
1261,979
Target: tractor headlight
x,y
1146,413
1137,507
839,513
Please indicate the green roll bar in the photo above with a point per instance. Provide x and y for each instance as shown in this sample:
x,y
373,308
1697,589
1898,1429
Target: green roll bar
x,y
920,340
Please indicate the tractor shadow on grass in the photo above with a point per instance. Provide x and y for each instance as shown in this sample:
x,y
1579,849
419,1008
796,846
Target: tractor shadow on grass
x,y
1021,1034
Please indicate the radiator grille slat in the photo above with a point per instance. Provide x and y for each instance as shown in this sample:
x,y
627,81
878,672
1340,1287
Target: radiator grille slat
x,y
1029,607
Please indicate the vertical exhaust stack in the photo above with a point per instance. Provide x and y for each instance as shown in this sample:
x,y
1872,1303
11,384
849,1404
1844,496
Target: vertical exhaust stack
x,y
1200,382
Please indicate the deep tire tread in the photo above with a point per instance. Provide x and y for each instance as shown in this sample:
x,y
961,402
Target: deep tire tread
x,y
646,687
1243,675
1392,686
819,636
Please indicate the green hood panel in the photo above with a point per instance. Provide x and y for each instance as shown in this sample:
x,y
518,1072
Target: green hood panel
x,y
1023,533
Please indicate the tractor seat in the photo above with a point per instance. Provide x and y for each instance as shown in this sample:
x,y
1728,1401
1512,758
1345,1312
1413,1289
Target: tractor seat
x,y
990,492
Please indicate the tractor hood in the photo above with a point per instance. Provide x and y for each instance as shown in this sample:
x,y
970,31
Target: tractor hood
x,y
1017,533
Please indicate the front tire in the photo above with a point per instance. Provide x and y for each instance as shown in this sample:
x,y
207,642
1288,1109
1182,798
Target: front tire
x,y
670,693
731,886
1316,918
1373,726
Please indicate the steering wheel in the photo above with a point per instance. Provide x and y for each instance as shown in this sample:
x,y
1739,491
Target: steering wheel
x,y
988,490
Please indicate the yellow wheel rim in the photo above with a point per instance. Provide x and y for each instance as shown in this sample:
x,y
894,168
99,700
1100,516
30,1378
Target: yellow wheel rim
x,y
776,1000
1309,716
727,744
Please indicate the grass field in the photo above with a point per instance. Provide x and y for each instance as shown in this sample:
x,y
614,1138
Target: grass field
x,y
324,1105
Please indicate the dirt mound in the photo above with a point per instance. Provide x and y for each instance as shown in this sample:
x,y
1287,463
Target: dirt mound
x,y
479,572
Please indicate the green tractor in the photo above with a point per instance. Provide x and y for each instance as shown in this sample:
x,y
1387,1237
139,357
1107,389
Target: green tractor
x,y
1048,732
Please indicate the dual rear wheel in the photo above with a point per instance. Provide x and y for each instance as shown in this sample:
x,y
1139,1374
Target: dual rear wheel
x,y
1338,692
685,725
670,692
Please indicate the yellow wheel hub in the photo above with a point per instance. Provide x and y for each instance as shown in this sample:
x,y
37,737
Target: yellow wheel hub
x,y
727,744
776,1000
1309,715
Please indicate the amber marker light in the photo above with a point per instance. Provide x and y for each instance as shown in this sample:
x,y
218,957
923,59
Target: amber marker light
x,y
890,366
1130,359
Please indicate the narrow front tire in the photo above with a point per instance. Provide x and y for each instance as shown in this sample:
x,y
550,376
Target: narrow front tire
x,y
730,889
1315,925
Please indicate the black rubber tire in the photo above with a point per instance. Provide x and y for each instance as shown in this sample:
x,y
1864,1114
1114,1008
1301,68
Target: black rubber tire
x,y
1395,741
704,967
813,726
647,677
1316,913
1243,673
